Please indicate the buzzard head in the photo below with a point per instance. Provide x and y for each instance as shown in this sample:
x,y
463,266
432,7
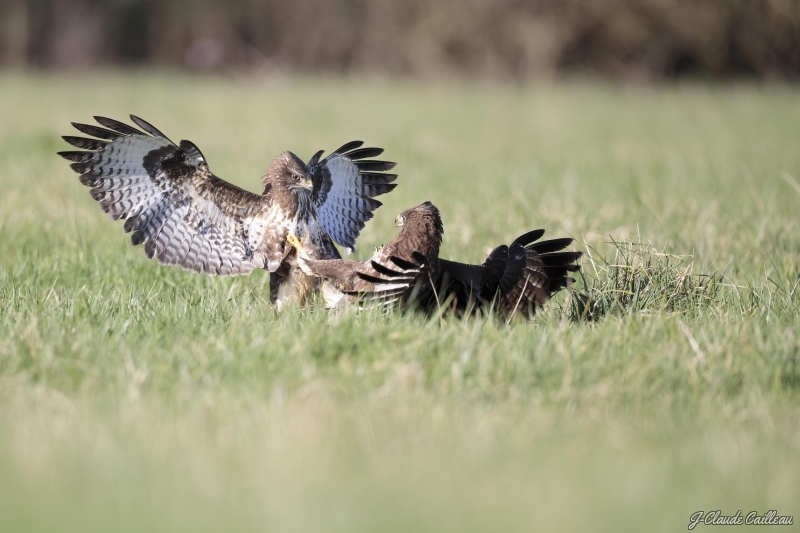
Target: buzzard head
x,y
421,229
425,214
288,173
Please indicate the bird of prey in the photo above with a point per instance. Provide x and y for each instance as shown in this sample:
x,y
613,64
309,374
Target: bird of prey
x,y
185,215
341,277
515,279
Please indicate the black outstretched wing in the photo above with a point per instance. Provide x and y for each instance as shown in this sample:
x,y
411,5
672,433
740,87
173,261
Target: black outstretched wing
x,y
345,185
465,280
169,199
519,278
535,271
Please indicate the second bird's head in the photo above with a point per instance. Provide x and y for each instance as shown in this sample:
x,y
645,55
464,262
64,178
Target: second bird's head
x,y
423,213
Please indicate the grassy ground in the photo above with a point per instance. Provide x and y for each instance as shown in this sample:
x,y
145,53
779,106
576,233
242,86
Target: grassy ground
x,y
135,397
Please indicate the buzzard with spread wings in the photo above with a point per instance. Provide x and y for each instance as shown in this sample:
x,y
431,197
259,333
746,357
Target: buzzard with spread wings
x,y
516,279
185,215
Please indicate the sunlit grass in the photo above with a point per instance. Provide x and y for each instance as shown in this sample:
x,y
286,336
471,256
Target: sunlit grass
x,y
135,397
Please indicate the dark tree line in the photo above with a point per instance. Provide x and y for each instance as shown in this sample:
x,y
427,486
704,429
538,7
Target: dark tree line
x,y
652,39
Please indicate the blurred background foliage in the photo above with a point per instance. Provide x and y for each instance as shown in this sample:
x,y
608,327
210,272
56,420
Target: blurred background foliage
x,y
504,39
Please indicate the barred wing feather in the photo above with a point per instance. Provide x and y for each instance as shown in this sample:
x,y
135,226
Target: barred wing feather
x,y
397,282
345,184
168,197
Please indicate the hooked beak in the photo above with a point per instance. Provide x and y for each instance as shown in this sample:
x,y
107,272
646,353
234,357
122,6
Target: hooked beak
x,y
398,221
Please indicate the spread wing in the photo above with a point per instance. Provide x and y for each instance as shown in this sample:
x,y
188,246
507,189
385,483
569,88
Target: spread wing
x,y
535,271
169,199
396,281
520,277
527,273
345,185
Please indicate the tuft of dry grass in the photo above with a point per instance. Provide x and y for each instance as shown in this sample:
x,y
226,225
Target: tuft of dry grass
x,y
640,280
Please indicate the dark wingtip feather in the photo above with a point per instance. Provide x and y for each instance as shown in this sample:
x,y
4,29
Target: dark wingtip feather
x,y
191,150
373,205
94,131
129,224
315,158
83,168
557,258
88,180
527,238
77,157
375,166
149,128
138,237
377,190
553,245
150,249
352,145
117,126
97,195
83,142
370,279
402,263
364,153
368,178
380,269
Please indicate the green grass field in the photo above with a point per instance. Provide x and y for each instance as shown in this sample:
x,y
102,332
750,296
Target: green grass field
x,y
135,397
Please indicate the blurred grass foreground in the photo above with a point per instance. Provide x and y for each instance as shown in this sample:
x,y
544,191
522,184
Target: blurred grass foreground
x,y
135,397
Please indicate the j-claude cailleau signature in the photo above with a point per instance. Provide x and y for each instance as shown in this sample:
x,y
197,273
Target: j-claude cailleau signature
x,y
716,518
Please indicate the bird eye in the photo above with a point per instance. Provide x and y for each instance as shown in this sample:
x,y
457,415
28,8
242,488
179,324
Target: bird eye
x,y
296,177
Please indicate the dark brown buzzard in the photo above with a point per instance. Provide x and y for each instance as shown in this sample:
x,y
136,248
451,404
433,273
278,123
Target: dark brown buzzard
x,y
515,279
185,215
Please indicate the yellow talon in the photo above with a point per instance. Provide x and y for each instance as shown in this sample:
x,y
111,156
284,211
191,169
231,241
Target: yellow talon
x,y
292,239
